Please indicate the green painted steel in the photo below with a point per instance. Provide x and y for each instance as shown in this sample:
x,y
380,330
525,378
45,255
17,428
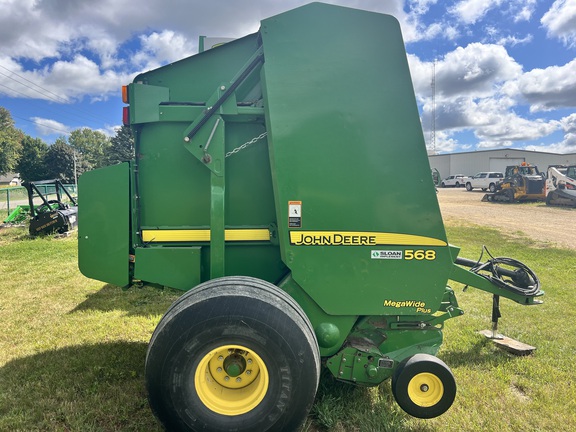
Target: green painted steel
x,y
282,155
343,125
169,266
104,234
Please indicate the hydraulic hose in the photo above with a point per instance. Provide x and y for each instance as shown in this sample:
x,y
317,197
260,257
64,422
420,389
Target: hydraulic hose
x,y
516,276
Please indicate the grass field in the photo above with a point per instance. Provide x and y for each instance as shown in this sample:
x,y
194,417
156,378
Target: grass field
x,y
72,349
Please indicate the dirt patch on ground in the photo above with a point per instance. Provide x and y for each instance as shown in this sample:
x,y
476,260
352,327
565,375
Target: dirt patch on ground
x,y
549,225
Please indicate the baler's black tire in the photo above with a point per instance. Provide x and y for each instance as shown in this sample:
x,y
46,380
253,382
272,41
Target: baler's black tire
x,y
424,386
255,323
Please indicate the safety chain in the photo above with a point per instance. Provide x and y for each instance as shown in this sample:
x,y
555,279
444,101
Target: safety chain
x,y
246,144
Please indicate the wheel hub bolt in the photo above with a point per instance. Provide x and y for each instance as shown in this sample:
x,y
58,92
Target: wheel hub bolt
x,y
219,369
424,388
226,378
248,372
238,379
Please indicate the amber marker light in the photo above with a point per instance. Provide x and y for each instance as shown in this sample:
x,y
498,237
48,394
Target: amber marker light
x,y
125,95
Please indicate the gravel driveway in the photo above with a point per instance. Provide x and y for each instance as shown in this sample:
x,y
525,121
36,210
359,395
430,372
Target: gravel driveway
x,y
552,225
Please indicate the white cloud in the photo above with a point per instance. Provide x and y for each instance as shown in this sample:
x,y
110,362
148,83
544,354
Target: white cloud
x,y
568,145
560,21
48,127
159,48
470,11
439,30
550,88
526,10
507,127
80,77
514,40
569,123
488,145
477,70
420,7
62,82
445,143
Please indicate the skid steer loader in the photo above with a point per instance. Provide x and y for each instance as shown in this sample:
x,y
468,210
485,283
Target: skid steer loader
x,y
561,186
521,183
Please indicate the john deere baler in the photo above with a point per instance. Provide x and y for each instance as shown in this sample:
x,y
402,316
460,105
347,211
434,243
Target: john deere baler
x,y
266,186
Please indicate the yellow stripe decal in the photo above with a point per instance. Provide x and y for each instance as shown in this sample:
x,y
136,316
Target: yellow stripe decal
x,y
151,236
356,238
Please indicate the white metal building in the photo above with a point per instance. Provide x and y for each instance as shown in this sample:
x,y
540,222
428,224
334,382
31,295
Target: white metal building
x,y
470,163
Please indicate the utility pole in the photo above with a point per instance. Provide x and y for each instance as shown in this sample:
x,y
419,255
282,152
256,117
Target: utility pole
x,y
433,119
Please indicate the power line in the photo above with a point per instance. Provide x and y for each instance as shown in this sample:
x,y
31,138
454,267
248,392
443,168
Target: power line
x,y
64,114
42,125
45,92
59,98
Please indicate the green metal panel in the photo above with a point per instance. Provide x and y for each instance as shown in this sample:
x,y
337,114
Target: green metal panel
x,y
179,187
104,224
169,266
346,142
152,96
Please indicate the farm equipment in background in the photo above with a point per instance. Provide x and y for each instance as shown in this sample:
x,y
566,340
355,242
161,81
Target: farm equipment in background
x,y
521,183
51,215
18,216
278,225
561,186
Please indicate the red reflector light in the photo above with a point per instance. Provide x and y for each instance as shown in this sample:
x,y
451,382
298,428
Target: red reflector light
x,y
125,95
126,116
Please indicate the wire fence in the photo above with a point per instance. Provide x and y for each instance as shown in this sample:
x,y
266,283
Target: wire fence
x,y
12,197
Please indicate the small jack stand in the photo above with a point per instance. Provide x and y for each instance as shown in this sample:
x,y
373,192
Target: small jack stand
x,y
511,345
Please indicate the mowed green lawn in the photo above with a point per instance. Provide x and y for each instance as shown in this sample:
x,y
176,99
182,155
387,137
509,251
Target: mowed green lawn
x,y
72,350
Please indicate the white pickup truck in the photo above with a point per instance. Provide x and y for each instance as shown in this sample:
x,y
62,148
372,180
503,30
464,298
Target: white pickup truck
x,y
484,180
454,181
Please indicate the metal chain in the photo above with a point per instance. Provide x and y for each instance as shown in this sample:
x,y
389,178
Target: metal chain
x,y
246,144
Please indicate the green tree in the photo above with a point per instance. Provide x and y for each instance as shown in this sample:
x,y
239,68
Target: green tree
x,y
92,145
121,146
59,162
10,142
31,164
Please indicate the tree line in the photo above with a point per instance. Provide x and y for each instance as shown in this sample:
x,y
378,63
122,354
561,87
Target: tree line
x,y
83,150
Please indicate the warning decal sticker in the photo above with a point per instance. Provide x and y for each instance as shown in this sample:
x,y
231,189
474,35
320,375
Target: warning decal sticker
x,y
294,214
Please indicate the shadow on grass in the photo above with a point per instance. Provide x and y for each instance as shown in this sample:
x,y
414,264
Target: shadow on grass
x,y
481,353
344,407
101,387
145,300
88,388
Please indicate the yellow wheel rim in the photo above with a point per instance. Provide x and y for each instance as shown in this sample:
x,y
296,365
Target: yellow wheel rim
x,y
425,389
231,380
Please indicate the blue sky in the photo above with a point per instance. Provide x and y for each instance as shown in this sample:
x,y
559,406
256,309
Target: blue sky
x,y
505,70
